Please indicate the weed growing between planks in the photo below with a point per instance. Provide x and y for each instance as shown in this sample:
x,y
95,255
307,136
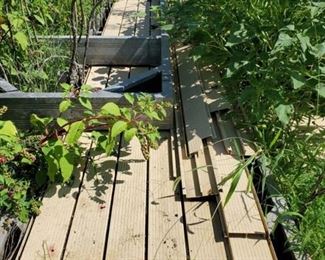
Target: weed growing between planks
x,y
269,56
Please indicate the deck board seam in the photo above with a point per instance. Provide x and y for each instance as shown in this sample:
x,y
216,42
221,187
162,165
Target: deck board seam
x,y
76,201
112,199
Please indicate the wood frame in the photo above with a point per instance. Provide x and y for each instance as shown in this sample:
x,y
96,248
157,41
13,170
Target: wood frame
x,y
130,51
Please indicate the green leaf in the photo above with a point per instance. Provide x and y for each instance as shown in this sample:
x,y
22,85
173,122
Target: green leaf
x,y
66,165
75,131
167,27
110,144
238,34
61,121
85,102
110,109
53,167
297,80
284,40
304,41
233,185
41,178
64,105
318,50
235,176
129,134
129,97
22,40
100,140
176,182
39,121
234,67
4,27
66,87
321,89
39,19
126,112
27,161
118,128
283,112
275,139
8,128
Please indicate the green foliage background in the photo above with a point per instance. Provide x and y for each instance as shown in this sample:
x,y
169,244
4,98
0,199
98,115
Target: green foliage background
x,y
270,56
28,62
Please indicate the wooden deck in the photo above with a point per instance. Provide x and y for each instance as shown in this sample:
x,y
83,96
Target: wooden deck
x,y
124,207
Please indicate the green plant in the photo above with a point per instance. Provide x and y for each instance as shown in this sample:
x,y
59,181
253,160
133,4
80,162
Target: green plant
x,y
60,143
28,162
29,62
17,190
269,56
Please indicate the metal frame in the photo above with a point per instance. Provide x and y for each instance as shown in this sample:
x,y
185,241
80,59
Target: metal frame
x,y
107,51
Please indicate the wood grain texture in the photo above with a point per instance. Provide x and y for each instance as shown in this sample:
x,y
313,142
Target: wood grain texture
x,y
118,75
126,238
250,248
50,228
214,92
115,18
185,164
205,174
97,77
88,230
241,213
196,117
204,231
143,19
118,51
165,230
229,136
111,24
111,28
129,18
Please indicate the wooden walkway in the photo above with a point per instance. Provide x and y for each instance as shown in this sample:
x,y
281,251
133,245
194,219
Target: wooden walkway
x,y
124,207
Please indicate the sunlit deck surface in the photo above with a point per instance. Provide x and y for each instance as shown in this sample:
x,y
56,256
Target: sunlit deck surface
x,y
124,207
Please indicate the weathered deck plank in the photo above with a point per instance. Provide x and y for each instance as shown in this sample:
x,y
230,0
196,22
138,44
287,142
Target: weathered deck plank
x,y
204,231
165,230
185,163
98,75
88,230
250,248
49,231
214,93
129,18
115,18
126,238
197,119
201,169
143,19
241,212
